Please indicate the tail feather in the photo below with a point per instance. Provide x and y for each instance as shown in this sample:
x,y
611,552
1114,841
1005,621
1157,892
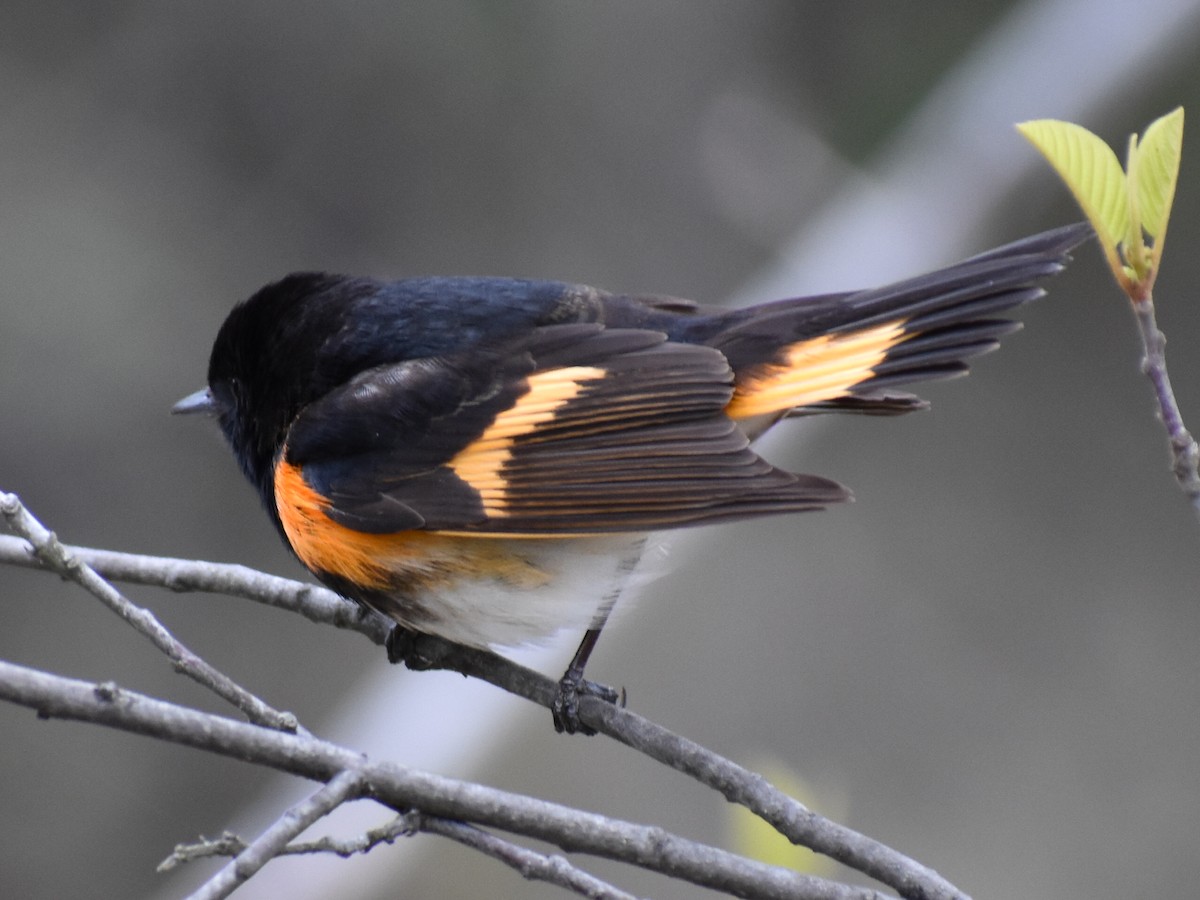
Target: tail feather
x,y
815,352
867,402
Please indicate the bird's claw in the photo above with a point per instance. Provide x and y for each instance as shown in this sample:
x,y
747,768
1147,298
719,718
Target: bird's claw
x,y
565,706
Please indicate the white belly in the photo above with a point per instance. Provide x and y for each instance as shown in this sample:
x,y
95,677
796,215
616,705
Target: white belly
x,y
555,584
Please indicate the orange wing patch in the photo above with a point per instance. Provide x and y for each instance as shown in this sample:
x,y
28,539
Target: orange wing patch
x,y
479,464
821,368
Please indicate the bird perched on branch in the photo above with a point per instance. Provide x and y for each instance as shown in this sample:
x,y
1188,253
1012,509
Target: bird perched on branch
x,y
484,458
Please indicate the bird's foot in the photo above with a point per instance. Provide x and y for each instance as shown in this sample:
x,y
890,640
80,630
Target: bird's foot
x,y
419,652
565,705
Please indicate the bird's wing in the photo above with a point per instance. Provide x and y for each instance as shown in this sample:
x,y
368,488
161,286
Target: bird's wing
x,y
575,429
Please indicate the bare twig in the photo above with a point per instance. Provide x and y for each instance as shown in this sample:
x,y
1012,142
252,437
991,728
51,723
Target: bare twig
x,y
1185,454
346,785
229,844
402,788
315,603
531,864
56,556
799,824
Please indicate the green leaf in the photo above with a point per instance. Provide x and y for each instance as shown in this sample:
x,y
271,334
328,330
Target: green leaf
x,y
1154,171
1091,171
1133,243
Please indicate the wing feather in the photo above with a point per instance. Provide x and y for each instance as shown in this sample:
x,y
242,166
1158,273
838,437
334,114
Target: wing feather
x,y
575,430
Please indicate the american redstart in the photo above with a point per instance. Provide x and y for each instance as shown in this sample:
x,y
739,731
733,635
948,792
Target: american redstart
x,y
483,458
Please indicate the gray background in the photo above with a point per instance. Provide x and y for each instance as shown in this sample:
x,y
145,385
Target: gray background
x,y
987,661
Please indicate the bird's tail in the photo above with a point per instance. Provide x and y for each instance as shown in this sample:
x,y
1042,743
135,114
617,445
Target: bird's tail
x,y
849,351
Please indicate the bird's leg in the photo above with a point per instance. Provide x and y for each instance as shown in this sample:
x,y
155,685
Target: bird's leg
x,y
565,705
422,652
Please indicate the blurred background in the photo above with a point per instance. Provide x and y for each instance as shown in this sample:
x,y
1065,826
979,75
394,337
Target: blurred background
x,y
989,661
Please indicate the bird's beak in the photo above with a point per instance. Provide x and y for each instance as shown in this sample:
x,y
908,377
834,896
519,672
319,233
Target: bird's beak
x,y
199,402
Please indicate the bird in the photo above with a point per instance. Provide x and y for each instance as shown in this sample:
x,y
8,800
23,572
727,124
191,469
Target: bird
x,y
491,460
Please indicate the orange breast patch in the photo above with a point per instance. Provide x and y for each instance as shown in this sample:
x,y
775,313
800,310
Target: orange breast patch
x,y
321,543
410,559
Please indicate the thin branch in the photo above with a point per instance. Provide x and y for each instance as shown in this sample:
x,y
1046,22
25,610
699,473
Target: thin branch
x,y
57,557
906,876
1185,454
402,788
346,785
532,865
315,603
229,844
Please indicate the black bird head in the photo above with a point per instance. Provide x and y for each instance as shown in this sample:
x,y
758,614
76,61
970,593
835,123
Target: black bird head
x,y
275,353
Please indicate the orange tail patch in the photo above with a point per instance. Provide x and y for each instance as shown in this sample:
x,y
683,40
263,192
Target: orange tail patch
x,y
821,368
